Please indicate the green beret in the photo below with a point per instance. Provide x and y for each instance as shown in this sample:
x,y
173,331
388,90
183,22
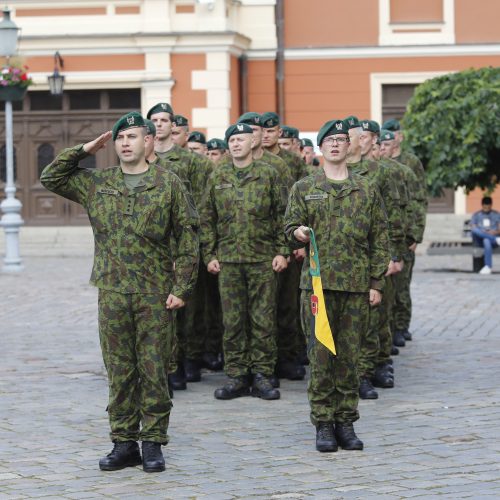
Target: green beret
x,y
333,127
239,128
289,132
250,119
386,135
391,125
180,121
130,120
307,142
269,120
352,122
214,144
161,107
150,127
370,126
196,136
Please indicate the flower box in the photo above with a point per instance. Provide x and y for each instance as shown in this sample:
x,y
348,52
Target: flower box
x,y
12,93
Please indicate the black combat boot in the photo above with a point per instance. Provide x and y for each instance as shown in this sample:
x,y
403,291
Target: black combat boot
x,y
177,380
398,338
263,389
407,335
383,377
394,351
366,390
233,388
124,454
325,438
290,370
192,370
275,381
212,361
152,457
346,437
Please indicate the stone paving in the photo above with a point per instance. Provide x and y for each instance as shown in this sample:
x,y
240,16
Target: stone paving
x,y
434,435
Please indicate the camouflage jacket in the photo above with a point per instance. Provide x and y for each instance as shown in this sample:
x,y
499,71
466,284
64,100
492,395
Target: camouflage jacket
x,y
412,161
350,228
388,188
192,168
133,231
242,218
296,167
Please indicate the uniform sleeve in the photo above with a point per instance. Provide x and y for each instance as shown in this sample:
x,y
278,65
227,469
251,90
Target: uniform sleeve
x,y
65,178
295,216
199,173
279,202
395,216
208,227
184,222
417,211
379,243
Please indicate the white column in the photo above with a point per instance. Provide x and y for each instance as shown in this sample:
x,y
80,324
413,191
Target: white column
x,y
215,80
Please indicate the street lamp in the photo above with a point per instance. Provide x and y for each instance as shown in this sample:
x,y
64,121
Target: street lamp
x,y
56,80
11,207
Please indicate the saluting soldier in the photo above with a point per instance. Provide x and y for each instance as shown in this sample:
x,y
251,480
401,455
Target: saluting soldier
x,y
138,212
243,244
402,308
346,213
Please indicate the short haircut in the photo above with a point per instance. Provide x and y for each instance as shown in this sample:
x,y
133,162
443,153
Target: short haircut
x,y
487,200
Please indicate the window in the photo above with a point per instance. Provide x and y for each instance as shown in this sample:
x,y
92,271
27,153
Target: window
x,y
84,99
125,99
45,101
3,164
45,155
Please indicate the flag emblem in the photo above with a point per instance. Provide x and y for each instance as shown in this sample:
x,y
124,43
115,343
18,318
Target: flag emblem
x,y
320,326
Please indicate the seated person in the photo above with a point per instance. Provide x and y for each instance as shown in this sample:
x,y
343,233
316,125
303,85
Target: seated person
x,y
485,224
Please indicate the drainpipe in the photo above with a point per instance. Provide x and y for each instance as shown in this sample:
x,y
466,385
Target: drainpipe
x,y
280,59
243,70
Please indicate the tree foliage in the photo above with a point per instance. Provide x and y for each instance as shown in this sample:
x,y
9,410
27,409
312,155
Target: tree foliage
x,y
453,124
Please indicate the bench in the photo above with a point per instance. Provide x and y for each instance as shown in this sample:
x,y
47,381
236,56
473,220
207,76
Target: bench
x,y
461,246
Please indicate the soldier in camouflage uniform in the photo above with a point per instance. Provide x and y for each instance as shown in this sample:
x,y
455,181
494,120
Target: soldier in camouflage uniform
x,y
307,153
138,212
402,307
290,337
243,244
360,163
346,213
197,143
180,131
402,176
194,170
216,150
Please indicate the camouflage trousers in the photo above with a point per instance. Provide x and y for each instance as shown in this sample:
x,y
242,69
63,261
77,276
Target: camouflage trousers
x,y
289,337
136,333
402,301
334,384
199,324
248,298
376,343
385,329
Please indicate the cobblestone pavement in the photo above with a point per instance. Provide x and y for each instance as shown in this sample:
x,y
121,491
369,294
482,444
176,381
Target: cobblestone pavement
x,y
434,435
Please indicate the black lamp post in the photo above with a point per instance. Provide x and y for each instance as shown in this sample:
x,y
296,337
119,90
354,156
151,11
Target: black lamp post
x,y
56,80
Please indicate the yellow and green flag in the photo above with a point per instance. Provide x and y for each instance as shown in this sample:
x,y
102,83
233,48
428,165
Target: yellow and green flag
x,y
320,324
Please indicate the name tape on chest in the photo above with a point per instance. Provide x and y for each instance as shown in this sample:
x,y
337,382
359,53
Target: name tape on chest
x,y
316,196
107,191
223,186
